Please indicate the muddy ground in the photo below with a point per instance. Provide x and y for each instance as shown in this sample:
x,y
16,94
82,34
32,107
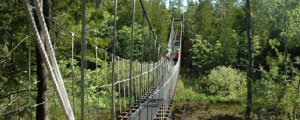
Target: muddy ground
x,y
187,110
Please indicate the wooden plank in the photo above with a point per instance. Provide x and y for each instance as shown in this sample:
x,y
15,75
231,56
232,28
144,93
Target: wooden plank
x,y
123,117
126,113
159,118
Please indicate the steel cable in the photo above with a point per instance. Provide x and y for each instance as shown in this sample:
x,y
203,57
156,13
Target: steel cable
x,y
119,85
72,34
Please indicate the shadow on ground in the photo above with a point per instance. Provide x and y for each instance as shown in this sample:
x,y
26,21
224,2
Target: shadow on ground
x,y
187,110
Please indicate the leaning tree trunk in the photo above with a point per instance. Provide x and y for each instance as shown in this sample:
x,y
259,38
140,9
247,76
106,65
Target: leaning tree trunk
x,y
249,73
42,110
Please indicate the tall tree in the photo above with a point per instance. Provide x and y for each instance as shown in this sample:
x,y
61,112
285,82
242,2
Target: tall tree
x,y
42,110
285,42
249,73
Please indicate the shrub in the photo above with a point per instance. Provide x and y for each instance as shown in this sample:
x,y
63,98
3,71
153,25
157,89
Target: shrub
x,y
226,81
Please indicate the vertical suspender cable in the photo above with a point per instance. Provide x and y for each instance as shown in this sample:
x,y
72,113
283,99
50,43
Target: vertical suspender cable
x,y
124,84
82,58
149,70
138,85
72,34
119,84
113,64
29,70
128,75
163,90
54,36
96,49
157,71
54,53
145,79
149,50
45,57
106,90
113,85
154,49
135,92
142,55
130,83
87,83
131,56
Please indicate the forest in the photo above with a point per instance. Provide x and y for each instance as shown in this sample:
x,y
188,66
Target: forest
x,y
221,77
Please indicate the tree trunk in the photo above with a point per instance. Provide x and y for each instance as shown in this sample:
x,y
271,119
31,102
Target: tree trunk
x,y
42,110
249,73
285,44
98,4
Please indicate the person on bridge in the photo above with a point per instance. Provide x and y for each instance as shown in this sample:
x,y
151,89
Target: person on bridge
x,y
170,51
167,55
175,59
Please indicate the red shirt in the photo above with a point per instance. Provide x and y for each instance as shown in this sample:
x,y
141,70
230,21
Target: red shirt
x,y
177,55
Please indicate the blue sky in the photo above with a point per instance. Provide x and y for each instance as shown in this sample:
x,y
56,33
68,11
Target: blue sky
x,y
184,3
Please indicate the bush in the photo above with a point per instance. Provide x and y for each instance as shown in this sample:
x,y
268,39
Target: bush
x,y
187,93
226,81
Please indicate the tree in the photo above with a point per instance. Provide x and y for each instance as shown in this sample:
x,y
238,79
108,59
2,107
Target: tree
x,y
249,73
42,74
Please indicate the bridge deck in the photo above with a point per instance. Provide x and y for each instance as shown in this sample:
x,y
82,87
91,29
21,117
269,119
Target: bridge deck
x,y
157,102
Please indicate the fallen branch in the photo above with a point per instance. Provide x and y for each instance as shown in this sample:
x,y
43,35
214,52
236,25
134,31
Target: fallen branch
x,y
11,11
16,93
4,59
3,108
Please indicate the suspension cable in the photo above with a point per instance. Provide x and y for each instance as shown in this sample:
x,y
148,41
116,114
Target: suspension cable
x,y
105,70
44,56
124,84
87,83
72,34
131,55
119,85
52,57
98,90
146,17
154,49
142,54
135,92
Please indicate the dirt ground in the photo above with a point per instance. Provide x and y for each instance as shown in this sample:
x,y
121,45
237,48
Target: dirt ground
x,y
204,111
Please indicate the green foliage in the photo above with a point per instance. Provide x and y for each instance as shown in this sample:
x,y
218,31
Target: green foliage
x,y
199,88
124,41
226,81
157,13
217,35
206,56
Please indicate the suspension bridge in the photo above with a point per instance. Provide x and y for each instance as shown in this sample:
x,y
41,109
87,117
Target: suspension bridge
x,y
145,90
